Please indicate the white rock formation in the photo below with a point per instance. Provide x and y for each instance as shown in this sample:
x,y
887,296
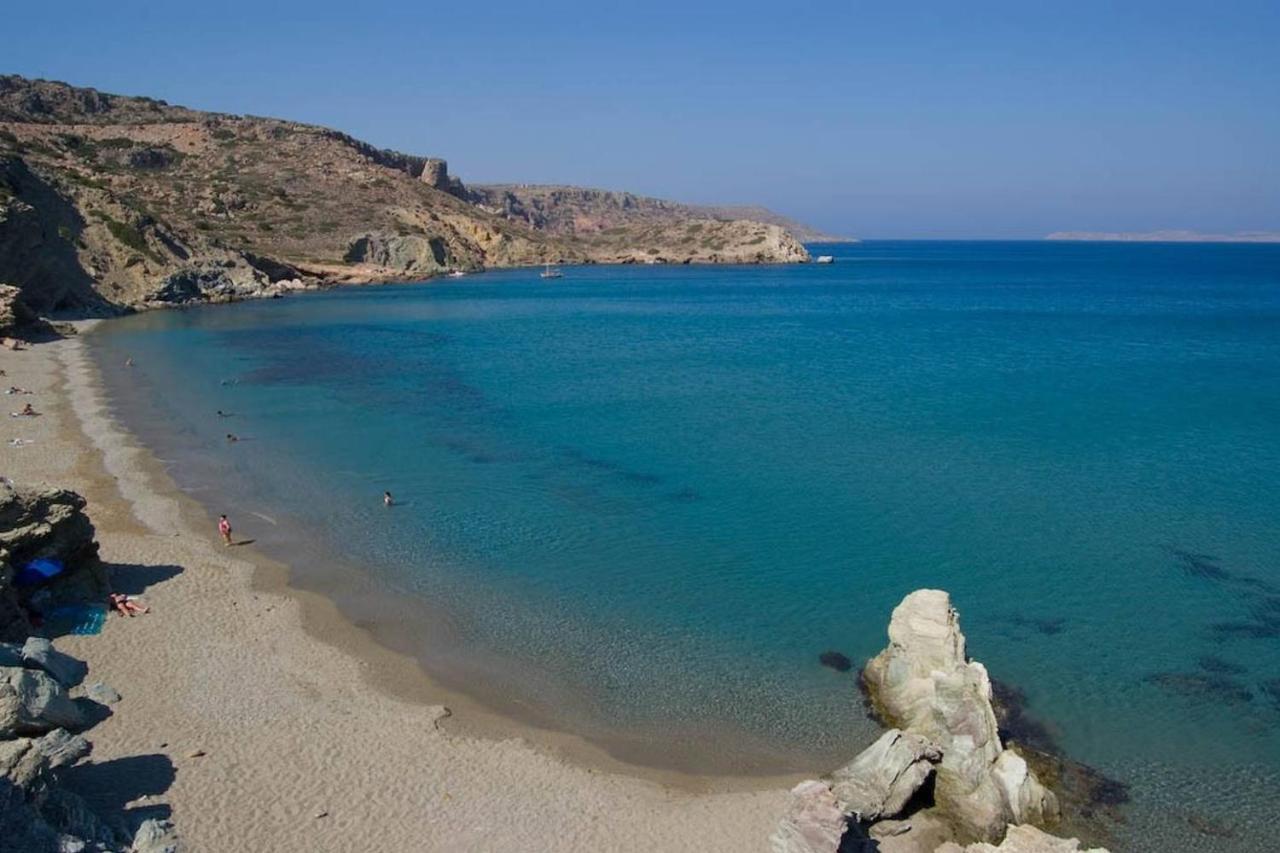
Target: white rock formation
x,y
884,777
1022,839
813,823
924,683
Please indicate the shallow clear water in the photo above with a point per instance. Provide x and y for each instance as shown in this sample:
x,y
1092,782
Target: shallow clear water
x,y
646,498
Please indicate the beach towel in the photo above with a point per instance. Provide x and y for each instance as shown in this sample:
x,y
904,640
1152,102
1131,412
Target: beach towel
x,y
37,571
82,619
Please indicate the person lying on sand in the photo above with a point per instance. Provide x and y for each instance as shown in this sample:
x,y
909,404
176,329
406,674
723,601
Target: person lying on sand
x,y
125,605
14,389
27,412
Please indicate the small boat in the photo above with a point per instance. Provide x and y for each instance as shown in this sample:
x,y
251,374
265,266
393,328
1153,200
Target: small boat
x,y
457,274
551,272
826,259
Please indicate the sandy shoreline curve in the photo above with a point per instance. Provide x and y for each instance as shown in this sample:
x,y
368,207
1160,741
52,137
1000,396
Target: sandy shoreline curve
x,y
299,713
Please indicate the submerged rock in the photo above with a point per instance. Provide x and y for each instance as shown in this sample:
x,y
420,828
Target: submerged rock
x,y
836,661
885,776
925,684
813,823
1216,688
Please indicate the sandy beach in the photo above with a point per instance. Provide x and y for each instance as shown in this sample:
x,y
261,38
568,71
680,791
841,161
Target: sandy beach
x,y
252,732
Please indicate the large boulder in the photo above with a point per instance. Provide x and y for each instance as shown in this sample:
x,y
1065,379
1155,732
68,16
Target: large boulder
x,y
400,253
1022,839
925,684
155,835
23,760
814,822
39,653
885,776
49,526
15,316
36,814
31,702
45,523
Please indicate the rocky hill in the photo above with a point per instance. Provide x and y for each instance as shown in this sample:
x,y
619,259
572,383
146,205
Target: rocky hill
x,y
109,201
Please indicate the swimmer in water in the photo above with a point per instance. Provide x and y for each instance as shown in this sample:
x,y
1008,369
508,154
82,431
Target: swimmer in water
x,y
387,500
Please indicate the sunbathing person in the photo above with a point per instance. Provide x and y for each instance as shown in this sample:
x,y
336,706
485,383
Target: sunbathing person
x,y
27,412
14,389
125,605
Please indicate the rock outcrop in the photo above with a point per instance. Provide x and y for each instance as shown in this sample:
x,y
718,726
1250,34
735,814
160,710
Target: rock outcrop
x,y
943,776
814,822
33,702
435,174
885,776
924,683
1022,839
15,316
48,527
400,254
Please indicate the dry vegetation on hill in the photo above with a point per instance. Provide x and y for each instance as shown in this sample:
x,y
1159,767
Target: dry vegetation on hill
x,y
110,201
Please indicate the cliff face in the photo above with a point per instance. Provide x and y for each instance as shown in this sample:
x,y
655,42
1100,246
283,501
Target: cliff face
x,y
109,201
622,227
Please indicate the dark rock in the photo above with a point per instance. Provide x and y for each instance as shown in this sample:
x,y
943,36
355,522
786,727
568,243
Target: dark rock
x,y
1210,663
1200,565
835,660
1271,689
1217,688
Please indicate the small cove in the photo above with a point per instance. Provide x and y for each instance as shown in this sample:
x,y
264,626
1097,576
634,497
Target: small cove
x,y
643,501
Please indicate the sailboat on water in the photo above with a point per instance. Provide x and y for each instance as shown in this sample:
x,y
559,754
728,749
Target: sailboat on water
x,y
551,272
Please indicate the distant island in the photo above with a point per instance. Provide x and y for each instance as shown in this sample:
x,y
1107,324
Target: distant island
x,y
1166,236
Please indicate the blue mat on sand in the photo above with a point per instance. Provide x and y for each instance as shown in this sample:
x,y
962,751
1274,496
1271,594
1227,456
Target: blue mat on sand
x,y
76,619
37,571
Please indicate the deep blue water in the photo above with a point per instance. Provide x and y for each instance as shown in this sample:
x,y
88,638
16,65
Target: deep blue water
x,y
647,498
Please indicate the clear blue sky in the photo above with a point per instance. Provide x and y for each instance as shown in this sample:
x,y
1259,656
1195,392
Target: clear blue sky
x,y
877,119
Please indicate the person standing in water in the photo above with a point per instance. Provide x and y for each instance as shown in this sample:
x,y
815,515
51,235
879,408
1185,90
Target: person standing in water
x,y
224,528
387,500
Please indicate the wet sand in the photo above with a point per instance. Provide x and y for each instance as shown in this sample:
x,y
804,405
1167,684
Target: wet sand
x,y
299,712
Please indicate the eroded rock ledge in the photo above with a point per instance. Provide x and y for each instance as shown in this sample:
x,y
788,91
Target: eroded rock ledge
x,y
940,779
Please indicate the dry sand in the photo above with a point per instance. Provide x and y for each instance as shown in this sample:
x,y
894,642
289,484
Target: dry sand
x,y
230,663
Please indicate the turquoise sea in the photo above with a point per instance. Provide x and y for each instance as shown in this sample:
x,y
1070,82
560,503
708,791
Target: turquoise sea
x,y
642,501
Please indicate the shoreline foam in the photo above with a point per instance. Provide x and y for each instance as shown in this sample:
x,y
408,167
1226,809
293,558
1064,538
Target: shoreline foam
x,y
230,664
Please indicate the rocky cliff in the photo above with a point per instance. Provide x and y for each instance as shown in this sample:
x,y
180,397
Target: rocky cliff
x,y
108,202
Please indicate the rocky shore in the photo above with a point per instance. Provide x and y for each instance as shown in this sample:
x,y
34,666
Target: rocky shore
x,y
941,778
44,702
